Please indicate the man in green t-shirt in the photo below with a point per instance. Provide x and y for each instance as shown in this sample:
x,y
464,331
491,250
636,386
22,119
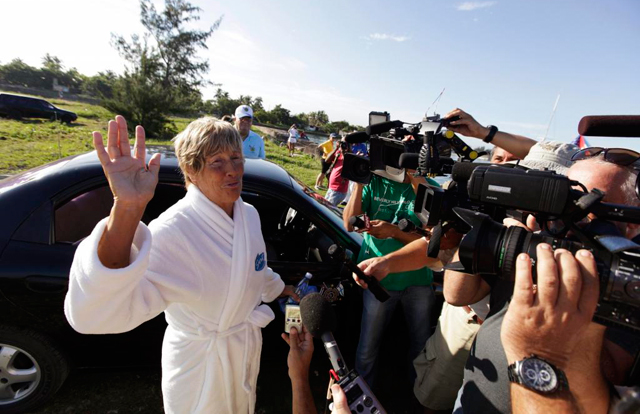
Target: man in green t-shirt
x,y
387,202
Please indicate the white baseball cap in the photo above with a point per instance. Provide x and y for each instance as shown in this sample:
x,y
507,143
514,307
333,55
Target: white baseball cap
x,y
244,111
552,155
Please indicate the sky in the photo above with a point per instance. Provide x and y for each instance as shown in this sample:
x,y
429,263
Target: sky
x,y
505,62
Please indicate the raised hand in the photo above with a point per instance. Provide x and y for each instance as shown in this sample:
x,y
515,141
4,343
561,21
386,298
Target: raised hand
x,y
132,182
466,125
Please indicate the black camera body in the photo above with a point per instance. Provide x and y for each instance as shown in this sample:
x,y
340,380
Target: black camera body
x,y
389,140
490,249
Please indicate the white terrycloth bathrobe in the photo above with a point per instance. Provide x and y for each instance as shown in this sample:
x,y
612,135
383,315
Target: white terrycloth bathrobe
x,y
208,273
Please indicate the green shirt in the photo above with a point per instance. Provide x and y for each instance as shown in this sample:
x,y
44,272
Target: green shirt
x,y
391,201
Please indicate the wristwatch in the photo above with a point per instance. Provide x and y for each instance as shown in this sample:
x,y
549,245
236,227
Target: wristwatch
x,y
538,375
492,133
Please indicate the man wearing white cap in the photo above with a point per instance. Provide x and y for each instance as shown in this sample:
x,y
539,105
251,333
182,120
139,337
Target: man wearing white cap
x,y
252,143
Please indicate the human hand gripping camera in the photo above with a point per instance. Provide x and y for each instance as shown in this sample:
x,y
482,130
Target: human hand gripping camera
x,y
548,337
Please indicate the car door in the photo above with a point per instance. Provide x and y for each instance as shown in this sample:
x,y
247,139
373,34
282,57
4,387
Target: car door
x,y
35,275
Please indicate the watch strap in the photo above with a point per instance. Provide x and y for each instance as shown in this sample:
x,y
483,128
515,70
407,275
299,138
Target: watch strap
x,y
492,133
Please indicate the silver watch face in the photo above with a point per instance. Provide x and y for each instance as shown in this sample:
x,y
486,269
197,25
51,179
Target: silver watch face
x,y
538,375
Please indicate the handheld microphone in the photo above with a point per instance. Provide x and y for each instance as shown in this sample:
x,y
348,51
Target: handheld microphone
x,y
359,222
357,137
610,126
338,253
383,127
407,226
320,319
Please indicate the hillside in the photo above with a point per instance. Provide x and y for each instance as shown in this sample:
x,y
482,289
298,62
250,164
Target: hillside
x,y
29,143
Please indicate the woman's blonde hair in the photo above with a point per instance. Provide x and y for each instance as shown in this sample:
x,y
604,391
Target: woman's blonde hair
x,y
203,138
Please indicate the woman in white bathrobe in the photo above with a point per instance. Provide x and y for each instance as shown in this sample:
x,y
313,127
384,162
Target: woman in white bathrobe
x,y
202,262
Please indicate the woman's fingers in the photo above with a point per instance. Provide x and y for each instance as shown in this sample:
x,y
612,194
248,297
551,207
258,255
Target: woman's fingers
x,y
112,140
98,144
139,149
123,136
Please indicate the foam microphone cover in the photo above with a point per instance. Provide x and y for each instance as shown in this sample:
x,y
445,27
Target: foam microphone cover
x,y
462,171
409,161
382,127
317,314
356,137
610,126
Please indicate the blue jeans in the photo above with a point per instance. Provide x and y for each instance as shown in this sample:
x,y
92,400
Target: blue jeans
x,y
417,304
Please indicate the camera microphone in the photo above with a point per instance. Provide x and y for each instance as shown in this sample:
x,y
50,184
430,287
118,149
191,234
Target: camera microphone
x,y
408,161
610,126
382,127
357,137
461,171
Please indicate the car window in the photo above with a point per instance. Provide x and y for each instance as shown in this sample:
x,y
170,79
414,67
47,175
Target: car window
x,y
76,218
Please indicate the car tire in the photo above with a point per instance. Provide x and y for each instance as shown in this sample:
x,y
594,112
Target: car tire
x,y
66,119
32,369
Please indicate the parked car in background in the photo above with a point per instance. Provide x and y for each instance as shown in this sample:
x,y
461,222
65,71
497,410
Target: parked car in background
x,y
18,106
49,210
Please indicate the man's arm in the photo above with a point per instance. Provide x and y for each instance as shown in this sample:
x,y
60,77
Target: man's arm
x,y
518,145
462,288
553,321
353,207
413,256
299,359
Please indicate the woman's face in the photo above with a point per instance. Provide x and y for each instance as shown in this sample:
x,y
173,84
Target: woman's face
x,y
220,180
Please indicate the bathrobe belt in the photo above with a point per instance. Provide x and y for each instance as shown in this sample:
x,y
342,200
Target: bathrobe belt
x,y
259,318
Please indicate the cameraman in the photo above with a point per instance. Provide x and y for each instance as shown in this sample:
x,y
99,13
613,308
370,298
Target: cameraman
x,y
386,202
486,384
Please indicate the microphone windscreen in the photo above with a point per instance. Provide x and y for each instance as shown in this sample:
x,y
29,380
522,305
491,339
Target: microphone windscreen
x,y
356,137
610,126
409,160
462,171
382,127
317,314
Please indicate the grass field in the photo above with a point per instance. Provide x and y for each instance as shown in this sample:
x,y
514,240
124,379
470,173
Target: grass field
x,y
29,143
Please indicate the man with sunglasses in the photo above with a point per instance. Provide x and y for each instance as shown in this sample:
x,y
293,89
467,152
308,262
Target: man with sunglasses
x,y
486,385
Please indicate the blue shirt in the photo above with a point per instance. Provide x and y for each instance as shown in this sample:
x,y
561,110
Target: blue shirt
x,y
359,148
253,146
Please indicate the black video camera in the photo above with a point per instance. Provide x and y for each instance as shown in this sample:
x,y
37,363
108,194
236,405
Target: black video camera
x,y
490,249
395,146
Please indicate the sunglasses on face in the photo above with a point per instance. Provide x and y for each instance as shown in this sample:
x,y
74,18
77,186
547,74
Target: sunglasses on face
x,y
618,156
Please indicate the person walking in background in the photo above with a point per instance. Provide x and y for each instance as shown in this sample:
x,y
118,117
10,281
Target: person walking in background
x,y
327,148
252,143
294,135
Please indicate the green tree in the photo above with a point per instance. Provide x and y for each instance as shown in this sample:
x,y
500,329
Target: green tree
x,y
141,99
163,59
318,118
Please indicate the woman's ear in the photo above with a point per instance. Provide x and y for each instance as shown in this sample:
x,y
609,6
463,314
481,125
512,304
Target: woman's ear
x,y
191,175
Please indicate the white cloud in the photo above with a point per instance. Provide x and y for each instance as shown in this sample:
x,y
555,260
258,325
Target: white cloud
x,y
472,5
384,36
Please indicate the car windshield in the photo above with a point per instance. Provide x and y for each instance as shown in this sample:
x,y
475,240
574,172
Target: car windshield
x,y
332,212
